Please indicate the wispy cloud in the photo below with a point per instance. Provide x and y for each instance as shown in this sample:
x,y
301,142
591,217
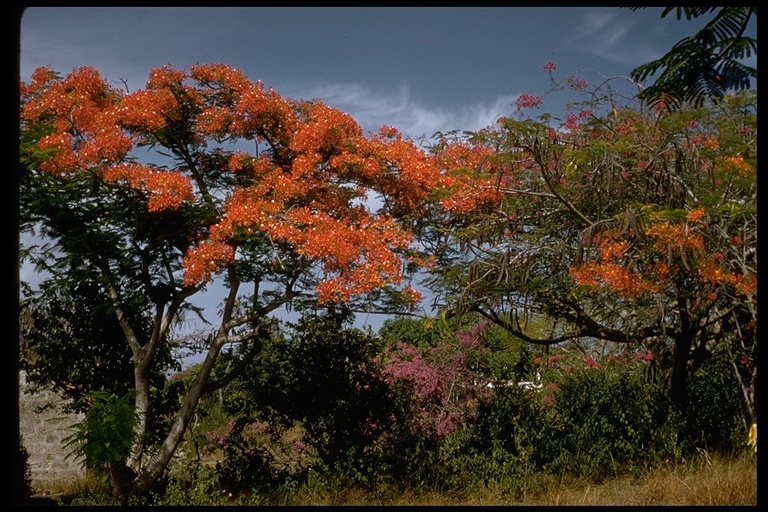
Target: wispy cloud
x,y
373,107
612,36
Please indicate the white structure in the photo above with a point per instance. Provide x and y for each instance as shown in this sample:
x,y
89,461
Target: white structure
x,y
524,384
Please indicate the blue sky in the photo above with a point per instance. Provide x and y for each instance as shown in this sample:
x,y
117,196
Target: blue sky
x,y
420,69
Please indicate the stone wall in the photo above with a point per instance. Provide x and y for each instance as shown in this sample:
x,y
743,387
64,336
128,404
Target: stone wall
x,y
42,433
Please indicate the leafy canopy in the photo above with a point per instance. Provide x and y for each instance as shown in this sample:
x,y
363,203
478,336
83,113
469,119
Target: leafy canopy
x,y
705,65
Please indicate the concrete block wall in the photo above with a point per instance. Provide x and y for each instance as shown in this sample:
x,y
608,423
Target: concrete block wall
x,y
42,433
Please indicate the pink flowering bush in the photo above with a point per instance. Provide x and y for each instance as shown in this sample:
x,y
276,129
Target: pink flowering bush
x,y
438,383
443,389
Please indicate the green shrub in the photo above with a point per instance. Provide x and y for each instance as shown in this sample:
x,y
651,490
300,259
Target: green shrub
x,y
200,488
715,409
311,399
608,421
105,435
509,436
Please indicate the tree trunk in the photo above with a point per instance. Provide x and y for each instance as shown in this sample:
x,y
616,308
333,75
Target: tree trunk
x,y
121,477
678,389
141,407
151,473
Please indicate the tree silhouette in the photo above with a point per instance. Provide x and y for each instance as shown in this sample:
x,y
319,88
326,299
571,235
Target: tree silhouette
x,y
706,65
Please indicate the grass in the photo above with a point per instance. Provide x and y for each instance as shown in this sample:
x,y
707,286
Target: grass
x,y
706,480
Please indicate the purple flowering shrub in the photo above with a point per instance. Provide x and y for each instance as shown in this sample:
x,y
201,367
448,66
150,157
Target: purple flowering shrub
x,y
442,382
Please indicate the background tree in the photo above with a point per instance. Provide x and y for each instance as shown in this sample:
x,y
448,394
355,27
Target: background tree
x,y
613,223
705,66
204,176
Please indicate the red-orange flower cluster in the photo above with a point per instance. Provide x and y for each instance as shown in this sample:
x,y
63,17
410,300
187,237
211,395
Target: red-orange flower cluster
x,y
147,109
166,189
673,248
615,276
201,262
735,164
470,175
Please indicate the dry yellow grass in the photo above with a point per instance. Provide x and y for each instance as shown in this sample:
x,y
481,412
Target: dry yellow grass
x,y
705,481
708,481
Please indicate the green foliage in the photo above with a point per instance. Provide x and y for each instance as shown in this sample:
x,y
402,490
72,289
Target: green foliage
x,y
70,337
96,496
505,443
199,489
508,358
209,417
72,340
309,399
416,332
593,423
404,457
512,434
596,422
104,437
605,422
715,411
705,65
333,388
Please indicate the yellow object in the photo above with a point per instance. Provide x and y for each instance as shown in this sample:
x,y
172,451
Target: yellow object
x,y
753,436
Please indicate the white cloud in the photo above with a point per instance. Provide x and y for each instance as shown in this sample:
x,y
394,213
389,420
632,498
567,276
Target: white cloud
x,y
612,35
372,108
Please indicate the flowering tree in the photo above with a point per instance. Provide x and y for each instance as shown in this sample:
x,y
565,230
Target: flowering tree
x,y
613,223
204,177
